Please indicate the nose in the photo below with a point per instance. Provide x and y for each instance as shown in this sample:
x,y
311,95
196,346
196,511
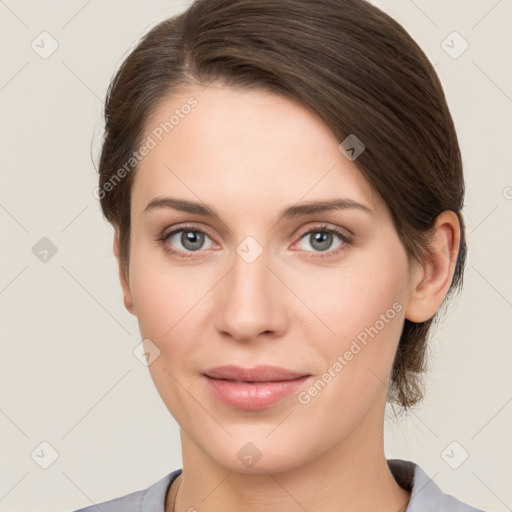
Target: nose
x,y
250,301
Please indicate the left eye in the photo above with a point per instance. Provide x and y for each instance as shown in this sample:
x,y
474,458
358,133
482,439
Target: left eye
x,y
320,240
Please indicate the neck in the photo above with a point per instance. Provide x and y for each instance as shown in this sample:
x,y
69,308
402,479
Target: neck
x,y
353,475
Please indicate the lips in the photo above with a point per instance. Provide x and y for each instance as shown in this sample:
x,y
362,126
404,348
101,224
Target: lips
x,y
261,373
254,388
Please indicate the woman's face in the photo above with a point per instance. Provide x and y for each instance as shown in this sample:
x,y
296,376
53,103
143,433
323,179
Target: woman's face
x,y
252,286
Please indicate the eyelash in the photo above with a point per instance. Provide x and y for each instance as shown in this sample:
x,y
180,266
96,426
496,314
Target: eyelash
x,y
346,240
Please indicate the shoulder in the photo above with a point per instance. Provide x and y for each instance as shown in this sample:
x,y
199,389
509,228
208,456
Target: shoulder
x,y
151,499
426,496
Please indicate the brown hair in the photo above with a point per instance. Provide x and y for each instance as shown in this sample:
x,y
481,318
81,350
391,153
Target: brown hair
x,y
355,66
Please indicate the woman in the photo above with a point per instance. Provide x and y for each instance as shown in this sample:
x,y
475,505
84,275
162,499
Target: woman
x,y
285,183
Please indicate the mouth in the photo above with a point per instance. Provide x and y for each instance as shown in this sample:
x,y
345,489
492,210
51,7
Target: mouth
x,y
260,373
252,388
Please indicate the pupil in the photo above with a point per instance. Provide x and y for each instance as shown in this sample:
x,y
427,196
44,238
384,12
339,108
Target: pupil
x,y
192,240
323,239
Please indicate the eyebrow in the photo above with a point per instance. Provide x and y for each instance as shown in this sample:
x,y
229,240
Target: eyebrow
x,y
296,210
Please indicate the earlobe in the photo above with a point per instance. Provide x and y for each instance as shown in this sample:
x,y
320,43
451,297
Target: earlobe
x,y
123,277
432,279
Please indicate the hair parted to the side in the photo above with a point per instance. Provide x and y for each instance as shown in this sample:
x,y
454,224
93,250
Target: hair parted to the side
x,y
346,59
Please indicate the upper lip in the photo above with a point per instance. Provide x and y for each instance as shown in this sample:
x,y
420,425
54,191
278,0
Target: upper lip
x,y
260,373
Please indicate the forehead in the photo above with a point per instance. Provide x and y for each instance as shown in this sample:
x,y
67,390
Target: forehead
x,y
241,145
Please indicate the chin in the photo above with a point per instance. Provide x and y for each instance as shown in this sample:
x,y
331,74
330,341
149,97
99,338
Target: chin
x,y
257,454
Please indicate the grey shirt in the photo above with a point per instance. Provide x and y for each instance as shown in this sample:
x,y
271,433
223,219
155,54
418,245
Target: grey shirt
x,y
426,496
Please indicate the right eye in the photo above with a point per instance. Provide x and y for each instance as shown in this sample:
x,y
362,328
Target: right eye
x,y
186,240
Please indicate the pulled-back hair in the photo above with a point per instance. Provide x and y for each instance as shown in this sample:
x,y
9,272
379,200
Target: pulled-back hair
x,y
349,61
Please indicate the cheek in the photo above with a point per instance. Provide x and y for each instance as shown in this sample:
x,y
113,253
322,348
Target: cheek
x,y
154,305
171,306
363,309
362,317
164,302
366,315
352,299
164,296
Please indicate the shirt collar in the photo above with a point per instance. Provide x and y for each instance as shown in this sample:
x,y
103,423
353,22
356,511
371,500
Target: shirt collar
x,y
426,496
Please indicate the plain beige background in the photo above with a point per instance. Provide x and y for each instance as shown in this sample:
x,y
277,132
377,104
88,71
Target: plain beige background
x,y
74,397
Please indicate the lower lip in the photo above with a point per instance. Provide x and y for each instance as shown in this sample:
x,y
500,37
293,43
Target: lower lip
x,y
252,395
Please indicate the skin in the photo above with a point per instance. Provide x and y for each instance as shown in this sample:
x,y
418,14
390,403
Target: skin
x,y
248,154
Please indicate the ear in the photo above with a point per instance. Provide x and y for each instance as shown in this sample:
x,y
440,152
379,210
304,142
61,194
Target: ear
x,y
123,278
432,279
